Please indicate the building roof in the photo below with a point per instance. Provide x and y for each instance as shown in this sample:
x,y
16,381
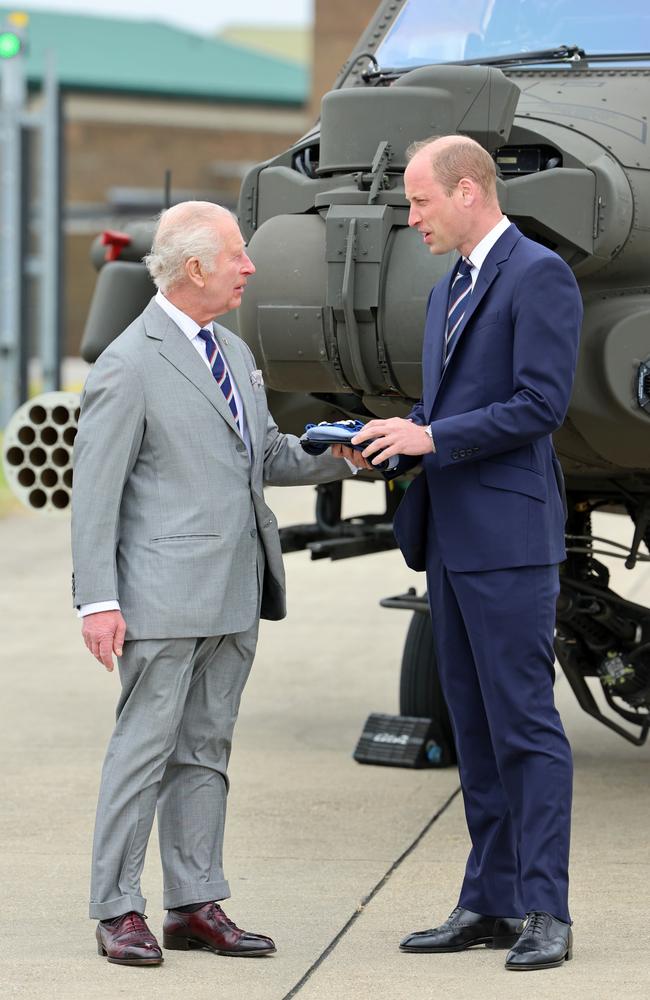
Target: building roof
x,y
153,58
293,44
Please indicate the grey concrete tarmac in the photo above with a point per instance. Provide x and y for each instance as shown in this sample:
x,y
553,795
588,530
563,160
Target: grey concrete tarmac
x,y
310,833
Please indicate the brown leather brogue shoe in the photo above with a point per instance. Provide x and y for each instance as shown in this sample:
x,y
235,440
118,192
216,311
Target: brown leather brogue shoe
x,y
128,941
210,928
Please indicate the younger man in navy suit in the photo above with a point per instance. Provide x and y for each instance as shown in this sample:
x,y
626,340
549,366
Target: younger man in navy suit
x,y
486,520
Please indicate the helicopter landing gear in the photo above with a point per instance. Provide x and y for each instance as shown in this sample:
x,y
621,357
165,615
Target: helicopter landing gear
x,y
420,692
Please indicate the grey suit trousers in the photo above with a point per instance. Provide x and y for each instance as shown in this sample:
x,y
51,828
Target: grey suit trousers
x,y
169,751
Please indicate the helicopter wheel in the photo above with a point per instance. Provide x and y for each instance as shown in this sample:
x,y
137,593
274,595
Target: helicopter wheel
x,y
420,693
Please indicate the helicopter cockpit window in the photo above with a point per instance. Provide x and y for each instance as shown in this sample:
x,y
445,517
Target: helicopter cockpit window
x,y
429,31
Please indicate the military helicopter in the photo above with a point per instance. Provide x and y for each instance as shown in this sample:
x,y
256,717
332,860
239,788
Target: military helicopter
x,y
558,93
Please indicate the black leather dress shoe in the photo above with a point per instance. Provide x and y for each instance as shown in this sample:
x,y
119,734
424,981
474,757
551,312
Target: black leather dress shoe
x,y
545,943
464,929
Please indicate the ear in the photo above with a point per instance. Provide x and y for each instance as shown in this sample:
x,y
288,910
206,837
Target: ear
x,y
194,271
467,190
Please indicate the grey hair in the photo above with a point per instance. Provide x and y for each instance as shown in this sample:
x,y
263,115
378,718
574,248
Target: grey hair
x,y
184,231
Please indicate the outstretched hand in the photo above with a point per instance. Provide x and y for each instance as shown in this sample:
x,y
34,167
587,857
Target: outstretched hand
x,y
103,634
394,436
352,455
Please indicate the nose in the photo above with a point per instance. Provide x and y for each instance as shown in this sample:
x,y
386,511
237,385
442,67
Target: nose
x,y
248,267
414,216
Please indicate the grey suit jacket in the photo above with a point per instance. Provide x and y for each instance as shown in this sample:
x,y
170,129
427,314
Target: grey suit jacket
x,y
168,510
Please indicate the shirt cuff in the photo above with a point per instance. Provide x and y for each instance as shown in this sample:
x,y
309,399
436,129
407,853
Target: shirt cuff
x,y
93,609
353,468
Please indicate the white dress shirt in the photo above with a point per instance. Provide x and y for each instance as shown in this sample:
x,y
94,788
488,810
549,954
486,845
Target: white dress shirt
x,y
482,249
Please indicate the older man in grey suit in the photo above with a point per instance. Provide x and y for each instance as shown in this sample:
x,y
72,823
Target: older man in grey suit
x,y
176,557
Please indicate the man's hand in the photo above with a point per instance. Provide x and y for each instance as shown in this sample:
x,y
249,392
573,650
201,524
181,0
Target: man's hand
x,y
357,459
103,634
395,436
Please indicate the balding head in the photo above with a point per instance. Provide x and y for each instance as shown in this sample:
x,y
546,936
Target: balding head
x,y
189,229
453,157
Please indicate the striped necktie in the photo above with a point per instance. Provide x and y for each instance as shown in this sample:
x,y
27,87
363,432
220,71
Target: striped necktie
x,y
461,289
220,372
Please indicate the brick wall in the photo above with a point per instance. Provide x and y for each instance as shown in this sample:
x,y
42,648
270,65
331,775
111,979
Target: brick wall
x,y
129,142
338,24
105,154
205,161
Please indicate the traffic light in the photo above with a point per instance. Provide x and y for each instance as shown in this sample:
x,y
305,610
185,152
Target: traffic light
x,y
12,35
11,44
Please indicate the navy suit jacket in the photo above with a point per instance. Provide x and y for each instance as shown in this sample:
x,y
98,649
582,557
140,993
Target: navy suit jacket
x,y
493,491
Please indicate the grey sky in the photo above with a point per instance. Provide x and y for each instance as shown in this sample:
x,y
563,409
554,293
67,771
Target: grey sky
x,y
197,15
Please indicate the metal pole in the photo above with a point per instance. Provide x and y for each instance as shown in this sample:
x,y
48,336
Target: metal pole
x,y
50,326
11,104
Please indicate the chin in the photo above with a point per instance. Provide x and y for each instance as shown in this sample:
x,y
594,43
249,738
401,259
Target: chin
x,y
440,248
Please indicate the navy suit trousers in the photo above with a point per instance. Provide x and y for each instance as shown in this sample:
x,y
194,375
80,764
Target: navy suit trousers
x,y
494,639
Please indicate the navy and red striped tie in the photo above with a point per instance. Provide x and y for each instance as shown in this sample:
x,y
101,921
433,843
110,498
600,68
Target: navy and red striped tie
x,y
220,372
461,289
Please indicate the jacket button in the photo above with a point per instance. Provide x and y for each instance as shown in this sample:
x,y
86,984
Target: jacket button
x,y
253,532
241,447
454,455
462,453
475,449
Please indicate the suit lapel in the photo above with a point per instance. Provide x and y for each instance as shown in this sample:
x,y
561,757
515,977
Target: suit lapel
x,y
177,349
434,340
487,274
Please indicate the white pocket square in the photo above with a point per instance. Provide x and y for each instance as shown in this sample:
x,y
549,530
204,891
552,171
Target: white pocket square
x,y
256,378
